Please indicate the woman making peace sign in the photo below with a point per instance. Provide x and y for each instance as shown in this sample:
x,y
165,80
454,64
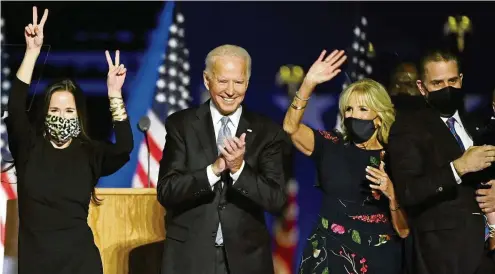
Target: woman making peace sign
x,y
58,166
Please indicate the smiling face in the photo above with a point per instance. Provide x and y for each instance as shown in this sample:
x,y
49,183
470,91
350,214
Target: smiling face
x,y
227,83
62,104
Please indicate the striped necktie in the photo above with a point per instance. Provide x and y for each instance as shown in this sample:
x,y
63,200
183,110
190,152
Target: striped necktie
x,y
450,124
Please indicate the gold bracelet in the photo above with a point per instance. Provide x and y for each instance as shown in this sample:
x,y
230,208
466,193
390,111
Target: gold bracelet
x,y
296,107
297,96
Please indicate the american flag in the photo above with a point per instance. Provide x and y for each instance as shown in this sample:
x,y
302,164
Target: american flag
x,y
171,95
360,54
359,57
286,233
8,190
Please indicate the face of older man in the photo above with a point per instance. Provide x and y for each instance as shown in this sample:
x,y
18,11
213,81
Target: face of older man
x,y
227,83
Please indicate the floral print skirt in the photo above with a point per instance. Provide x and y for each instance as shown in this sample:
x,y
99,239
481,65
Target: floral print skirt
x,y
333,249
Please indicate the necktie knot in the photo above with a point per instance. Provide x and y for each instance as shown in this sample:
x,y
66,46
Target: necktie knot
x,y
225,120
451,122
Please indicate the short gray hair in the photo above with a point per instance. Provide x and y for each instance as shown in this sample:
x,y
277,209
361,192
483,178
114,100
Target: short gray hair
x,y
227,50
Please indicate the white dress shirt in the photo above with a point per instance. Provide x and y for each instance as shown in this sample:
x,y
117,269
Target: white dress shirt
x,y
217,123
465,139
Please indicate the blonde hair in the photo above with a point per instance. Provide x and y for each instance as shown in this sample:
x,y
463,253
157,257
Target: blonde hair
x,y
373,95
230,51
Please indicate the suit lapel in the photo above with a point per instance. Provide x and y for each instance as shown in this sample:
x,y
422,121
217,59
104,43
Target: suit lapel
x,y
204,129
441,133
469,126
246,126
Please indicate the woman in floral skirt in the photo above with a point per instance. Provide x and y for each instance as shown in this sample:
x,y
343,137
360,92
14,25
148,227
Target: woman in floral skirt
x,y
360,225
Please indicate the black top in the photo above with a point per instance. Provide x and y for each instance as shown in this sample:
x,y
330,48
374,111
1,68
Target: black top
x,y
342,178
352,218
54,189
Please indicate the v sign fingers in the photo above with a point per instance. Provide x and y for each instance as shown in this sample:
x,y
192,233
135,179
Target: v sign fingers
x,y
43,19
117,58
34,31
109,60
35,16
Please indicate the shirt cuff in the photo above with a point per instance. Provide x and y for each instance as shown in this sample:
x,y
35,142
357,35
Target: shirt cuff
x,y
212,178
236,175
456,176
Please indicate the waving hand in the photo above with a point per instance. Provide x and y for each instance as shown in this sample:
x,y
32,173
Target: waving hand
x,y
324,69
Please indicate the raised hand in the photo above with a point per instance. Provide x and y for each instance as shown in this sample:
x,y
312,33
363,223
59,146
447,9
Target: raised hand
x,y
233,153
34,31
116,74
325,69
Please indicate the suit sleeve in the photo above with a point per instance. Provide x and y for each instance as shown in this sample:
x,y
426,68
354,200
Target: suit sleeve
x,y
415,182
177,184
266,185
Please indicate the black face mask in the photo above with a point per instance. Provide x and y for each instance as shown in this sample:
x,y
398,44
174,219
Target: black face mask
x,y
359,130
446,100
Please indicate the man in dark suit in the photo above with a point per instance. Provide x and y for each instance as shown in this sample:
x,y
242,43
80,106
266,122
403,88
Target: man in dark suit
x,y
435,158
221,169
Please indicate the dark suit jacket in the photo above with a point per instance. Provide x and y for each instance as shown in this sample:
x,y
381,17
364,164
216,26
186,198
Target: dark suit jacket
x,y
448,237
194,209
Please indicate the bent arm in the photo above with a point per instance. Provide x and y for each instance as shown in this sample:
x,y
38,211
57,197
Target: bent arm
x,y
266,186
415,183
177,184
399,220
301,135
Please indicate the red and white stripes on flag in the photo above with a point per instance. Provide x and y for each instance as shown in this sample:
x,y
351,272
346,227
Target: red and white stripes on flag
x,y
156,139
8,188
171,95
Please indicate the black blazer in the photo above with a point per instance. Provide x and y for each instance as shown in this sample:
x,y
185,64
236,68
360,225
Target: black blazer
x,y
447,236
194,209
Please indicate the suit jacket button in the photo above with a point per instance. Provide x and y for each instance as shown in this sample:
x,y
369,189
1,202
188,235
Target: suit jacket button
x,y
440,189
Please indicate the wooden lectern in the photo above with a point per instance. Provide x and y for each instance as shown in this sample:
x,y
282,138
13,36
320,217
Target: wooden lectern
x,y
128,228
129,220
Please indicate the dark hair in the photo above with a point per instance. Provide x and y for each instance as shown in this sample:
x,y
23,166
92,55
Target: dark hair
x,y
80,100
437,56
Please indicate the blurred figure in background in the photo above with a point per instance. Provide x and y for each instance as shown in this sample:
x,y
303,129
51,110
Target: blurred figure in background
x,y
403,90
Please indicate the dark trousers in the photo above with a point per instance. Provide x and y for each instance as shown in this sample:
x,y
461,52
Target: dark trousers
x,y
221,265
487,265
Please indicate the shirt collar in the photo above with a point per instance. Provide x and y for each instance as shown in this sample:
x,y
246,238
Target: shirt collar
x,y
456,117
217,116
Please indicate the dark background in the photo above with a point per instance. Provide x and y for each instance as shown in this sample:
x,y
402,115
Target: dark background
x,y
274,33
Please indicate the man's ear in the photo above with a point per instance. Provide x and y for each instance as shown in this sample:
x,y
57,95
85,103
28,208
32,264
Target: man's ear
x,y
421,88
206,80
